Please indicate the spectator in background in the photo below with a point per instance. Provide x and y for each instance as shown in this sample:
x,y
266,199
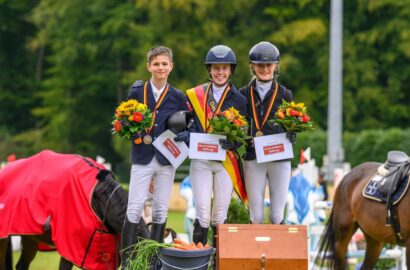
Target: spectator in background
x,y
147,212
185,190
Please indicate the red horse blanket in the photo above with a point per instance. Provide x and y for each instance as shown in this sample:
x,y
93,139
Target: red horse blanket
x,y
58,186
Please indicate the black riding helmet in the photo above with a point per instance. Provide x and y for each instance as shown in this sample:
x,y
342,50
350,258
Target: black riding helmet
x,y
265,53
220,54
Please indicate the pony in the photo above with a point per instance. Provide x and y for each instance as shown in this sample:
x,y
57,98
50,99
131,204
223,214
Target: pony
x,y
352,210
107,203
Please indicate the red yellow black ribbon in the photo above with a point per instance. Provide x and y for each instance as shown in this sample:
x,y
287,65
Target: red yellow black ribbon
x,y
160,99
210,114
255,115
231,163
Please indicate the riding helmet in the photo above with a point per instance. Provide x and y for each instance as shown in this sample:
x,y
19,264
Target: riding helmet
x,y
220,54
264,52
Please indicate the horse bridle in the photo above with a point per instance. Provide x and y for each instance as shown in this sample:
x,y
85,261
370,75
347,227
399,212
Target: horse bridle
x,y
108,203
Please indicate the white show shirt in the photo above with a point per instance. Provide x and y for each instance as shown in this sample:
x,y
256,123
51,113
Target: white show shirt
x,y
157,92
217,91
263,88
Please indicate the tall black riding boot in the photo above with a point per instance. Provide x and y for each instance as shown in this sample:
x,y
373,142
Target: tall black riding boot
x,y
129,238
157,234
199,234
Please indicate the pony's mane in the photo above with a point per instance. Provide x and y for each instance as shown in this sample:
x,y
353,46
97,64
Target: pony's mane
x,y
112,214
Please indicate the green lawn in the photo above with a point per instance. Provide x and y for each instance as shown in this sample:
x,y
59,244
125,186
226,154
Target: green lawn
x,y
43,260
50,260
176,221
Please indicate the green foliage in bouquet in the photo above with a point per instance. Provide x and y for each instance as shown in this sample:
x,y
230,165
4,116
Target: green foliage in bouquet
x,y
293,117
230,123
131,117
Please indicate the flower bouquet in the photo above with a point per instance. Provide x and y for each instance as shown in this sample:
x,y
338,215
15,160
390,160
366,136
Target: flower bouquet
x,y
293,117
230,123
131,117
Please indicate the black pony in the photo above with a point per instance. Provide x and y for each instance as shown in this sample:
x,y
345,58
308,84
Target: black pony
x,y
108,202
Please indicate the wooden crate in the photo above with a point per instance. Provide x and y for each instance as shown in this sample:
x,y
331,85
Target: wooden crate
x,y
262,247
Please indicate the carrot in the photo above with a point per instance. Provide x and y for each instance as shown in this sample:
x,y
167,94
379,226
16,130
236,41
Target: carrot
x,y
200,245
193,246
181,247
180,242
207,246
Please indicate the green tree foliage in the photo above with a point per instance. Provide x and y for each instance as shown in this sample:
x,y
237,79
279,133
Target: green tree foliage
x,y
376,70
17,67
65,64
367,145
88,56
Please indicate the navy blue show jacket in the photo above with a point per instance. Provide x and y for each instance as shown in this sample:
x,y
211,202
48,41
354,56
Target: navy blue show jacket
x,y
173,101
261,106
233,99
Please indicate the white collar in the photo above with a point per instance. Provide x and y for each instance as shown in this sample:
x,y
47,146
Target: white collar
x,y
219,89
264,86
155,90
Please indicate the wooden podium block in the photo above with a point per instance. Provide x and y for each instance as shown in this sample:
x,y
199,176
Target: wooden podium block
x,y
262,247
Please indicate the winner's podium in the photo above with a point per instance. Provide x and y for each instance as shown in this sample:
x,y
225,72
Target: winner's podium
x,y
262,247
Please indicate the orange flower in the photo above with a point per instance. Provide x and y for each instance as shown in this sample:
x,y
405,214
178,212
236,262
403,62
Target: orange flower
x,y
294,113
237,122
288,111
117,126
137,117
280,114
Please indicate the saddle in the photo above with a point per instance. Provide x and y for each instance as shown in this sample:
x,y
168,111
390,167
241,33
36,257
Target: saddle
x,y
389,185
393,172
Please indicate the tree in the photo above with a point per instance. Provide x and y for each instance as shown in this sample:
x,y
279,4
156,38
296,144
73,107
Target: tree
x,y
17,67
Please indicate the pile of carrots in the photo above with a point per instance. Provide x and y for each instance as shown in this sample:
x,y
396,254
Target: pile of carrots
x,y
182,245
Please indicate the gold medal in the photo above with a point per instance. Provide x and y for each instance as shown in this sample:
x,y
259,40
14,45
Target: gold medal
x,y
147,139
258,133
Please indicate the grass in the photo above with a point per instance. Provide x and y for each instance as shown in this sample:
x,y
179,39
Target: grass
x,y
43,261
50,260
176,221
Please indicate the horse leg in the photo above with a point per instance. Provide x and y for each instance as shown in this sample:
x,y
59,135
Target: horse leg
x,y
373,249
344,230
28,252
5,254
65,265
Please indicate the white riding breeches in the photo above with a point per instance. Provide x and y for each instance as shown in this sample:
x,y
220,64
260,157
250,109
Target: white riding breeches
x,y
207,177
141,176
277,174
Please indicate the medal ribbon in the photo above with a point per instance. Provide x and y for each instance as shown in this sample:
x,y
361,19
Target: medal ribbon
x,y
255,115
208,108
160,99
